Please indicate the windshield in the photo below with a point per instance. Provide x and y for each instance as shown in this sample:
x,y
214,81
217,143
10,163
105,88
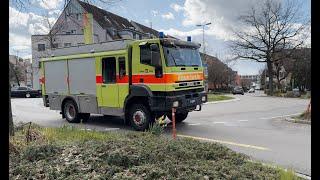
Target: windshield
x,y
178,56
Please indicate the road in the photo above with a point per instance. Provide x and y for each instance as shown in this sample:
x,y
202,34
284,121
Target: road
x,y
251,125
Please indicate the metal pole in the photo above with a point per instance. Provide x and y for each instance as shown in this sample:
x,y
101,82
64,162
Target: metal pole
x,y
174,131
204,47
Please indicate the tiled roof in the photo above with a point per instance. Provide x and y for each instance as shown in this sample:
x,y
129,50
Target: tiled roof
x,y
106,19
146,29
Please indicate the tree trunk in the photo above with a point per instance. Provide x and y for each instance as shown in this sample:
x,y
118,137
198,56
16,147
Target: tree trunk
x,y
11,128
270,74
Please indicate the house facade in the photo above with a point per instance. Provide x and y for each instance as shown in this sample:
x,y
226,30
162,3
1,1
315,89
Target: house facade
x,y
69,31
25,68
251,81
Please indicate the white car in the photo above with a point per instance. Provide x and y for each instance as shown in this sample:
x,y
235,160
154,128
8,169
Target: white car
x,y
251,90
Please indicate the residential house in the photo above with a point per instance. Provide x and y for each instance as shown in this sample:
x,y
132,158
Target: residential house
x,y
68,31
220,76
25,68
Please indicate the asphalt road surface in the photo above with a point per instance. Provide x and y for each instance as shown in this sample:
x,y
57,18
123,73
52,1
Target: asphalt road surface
x,y
251,125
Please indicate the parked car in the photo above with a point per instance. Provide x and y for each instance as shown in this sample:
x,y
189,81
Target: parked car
x,y
251,90
26,92
296,92
238,90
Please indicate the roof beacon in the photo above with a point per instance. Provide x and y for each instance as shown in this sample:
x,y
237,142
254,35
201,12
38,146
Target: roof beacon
x,y
161,35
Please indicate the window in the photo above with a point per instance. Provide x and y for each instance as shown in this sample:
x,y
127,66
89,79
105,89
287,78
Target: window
x,y
79,44
73,31
122,67
109,70
67,44
22,88
145,54
134,36
41,47
78,16
55,45
68,32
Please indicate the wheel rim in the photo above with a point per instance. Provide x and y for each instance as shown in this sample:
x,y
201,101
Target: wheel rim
x,y
70,111
27,95
139,118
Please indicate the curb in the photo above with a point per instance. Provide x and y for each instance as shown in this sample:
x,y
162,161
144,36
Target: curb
x,y
289,119
302,175
224,101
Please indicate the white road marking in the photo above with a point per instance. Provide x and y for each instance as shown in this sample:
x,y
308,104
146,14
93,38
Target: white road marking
x,y
194,124
243,120
219,122
226,142
280,116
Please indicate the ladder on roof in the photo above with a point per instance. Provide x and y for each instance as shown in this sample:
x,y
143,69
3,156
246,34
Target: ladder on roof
x,y
90,48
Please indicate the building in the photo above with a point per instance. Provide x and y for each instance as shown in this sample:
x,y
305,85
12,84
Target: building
x,y
25,70
220,76
250,81
68,31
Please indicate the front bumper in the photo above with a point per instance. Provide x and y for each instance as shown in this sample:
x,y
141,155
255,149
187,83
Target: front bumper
x,y
186,102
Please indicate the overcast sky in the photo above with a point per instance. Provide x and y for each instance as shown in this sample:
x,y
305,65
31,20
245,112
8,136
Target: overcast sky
x,y
177,18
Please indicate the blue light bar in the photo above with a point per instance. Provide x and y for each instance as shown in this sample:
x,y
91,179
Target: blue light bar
x,y
189,38
161,35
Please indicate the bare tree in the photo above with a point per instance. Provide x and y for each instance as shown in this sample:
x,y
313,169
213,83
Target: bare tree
x,y
15,73
269,29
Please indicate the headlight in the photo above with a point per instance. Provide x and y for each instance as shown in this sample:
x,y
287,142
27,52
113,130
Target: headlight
x,y
175,104
203,99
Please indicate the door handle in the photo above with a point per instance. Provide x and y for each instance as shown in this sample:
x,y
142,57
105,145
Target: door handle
x,y
103,85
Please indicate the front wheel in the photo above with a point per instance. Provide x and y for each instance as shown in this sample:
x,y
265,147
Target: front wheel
x,y
179,116
139,117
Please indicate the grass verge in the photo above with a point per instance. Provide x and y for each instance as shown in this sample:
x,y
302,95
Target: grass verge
x,y
215,97
71,153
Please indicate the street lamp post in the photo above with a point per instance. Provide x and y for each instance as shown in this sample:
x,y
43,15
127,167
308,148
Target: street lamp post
x,y
204,47
204,50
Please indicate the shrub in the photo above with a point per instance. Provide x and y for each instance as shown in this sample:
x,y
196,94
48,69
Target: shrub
x,y
289,94
38,152
156,129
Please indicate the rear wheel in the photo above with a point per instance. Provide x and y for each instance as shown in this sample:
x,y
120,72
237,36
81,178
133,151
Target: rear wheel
x,y
70,112
139,117
179,116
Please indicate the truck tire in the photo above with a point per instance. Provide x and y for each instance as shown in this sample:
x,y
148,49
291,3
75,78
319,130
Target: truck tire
x,y
139,117
179,116
70,112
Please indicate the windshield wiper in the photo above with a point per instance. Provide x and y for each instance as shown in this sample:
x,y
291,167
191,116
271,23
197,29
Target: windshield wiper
x,y
174,60
195,65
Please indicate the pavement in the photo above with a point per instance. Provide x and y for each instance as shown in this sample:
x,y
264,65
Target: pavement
x,y
253,125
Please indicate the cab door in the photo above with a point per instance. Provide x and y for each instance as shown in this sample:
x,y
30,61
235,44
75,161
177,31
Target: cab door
x,y
109,87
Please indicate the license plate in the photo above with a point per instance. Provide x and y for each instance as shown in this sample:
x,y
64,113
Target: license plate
x,y
192,101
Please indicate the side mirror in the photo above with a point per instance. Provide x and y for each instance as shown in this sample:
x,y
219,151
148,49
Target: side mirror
x,y
155,59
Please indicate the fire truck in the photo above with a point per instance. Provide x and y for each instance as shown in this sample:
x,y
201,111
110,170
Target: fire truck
x,y
139,80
